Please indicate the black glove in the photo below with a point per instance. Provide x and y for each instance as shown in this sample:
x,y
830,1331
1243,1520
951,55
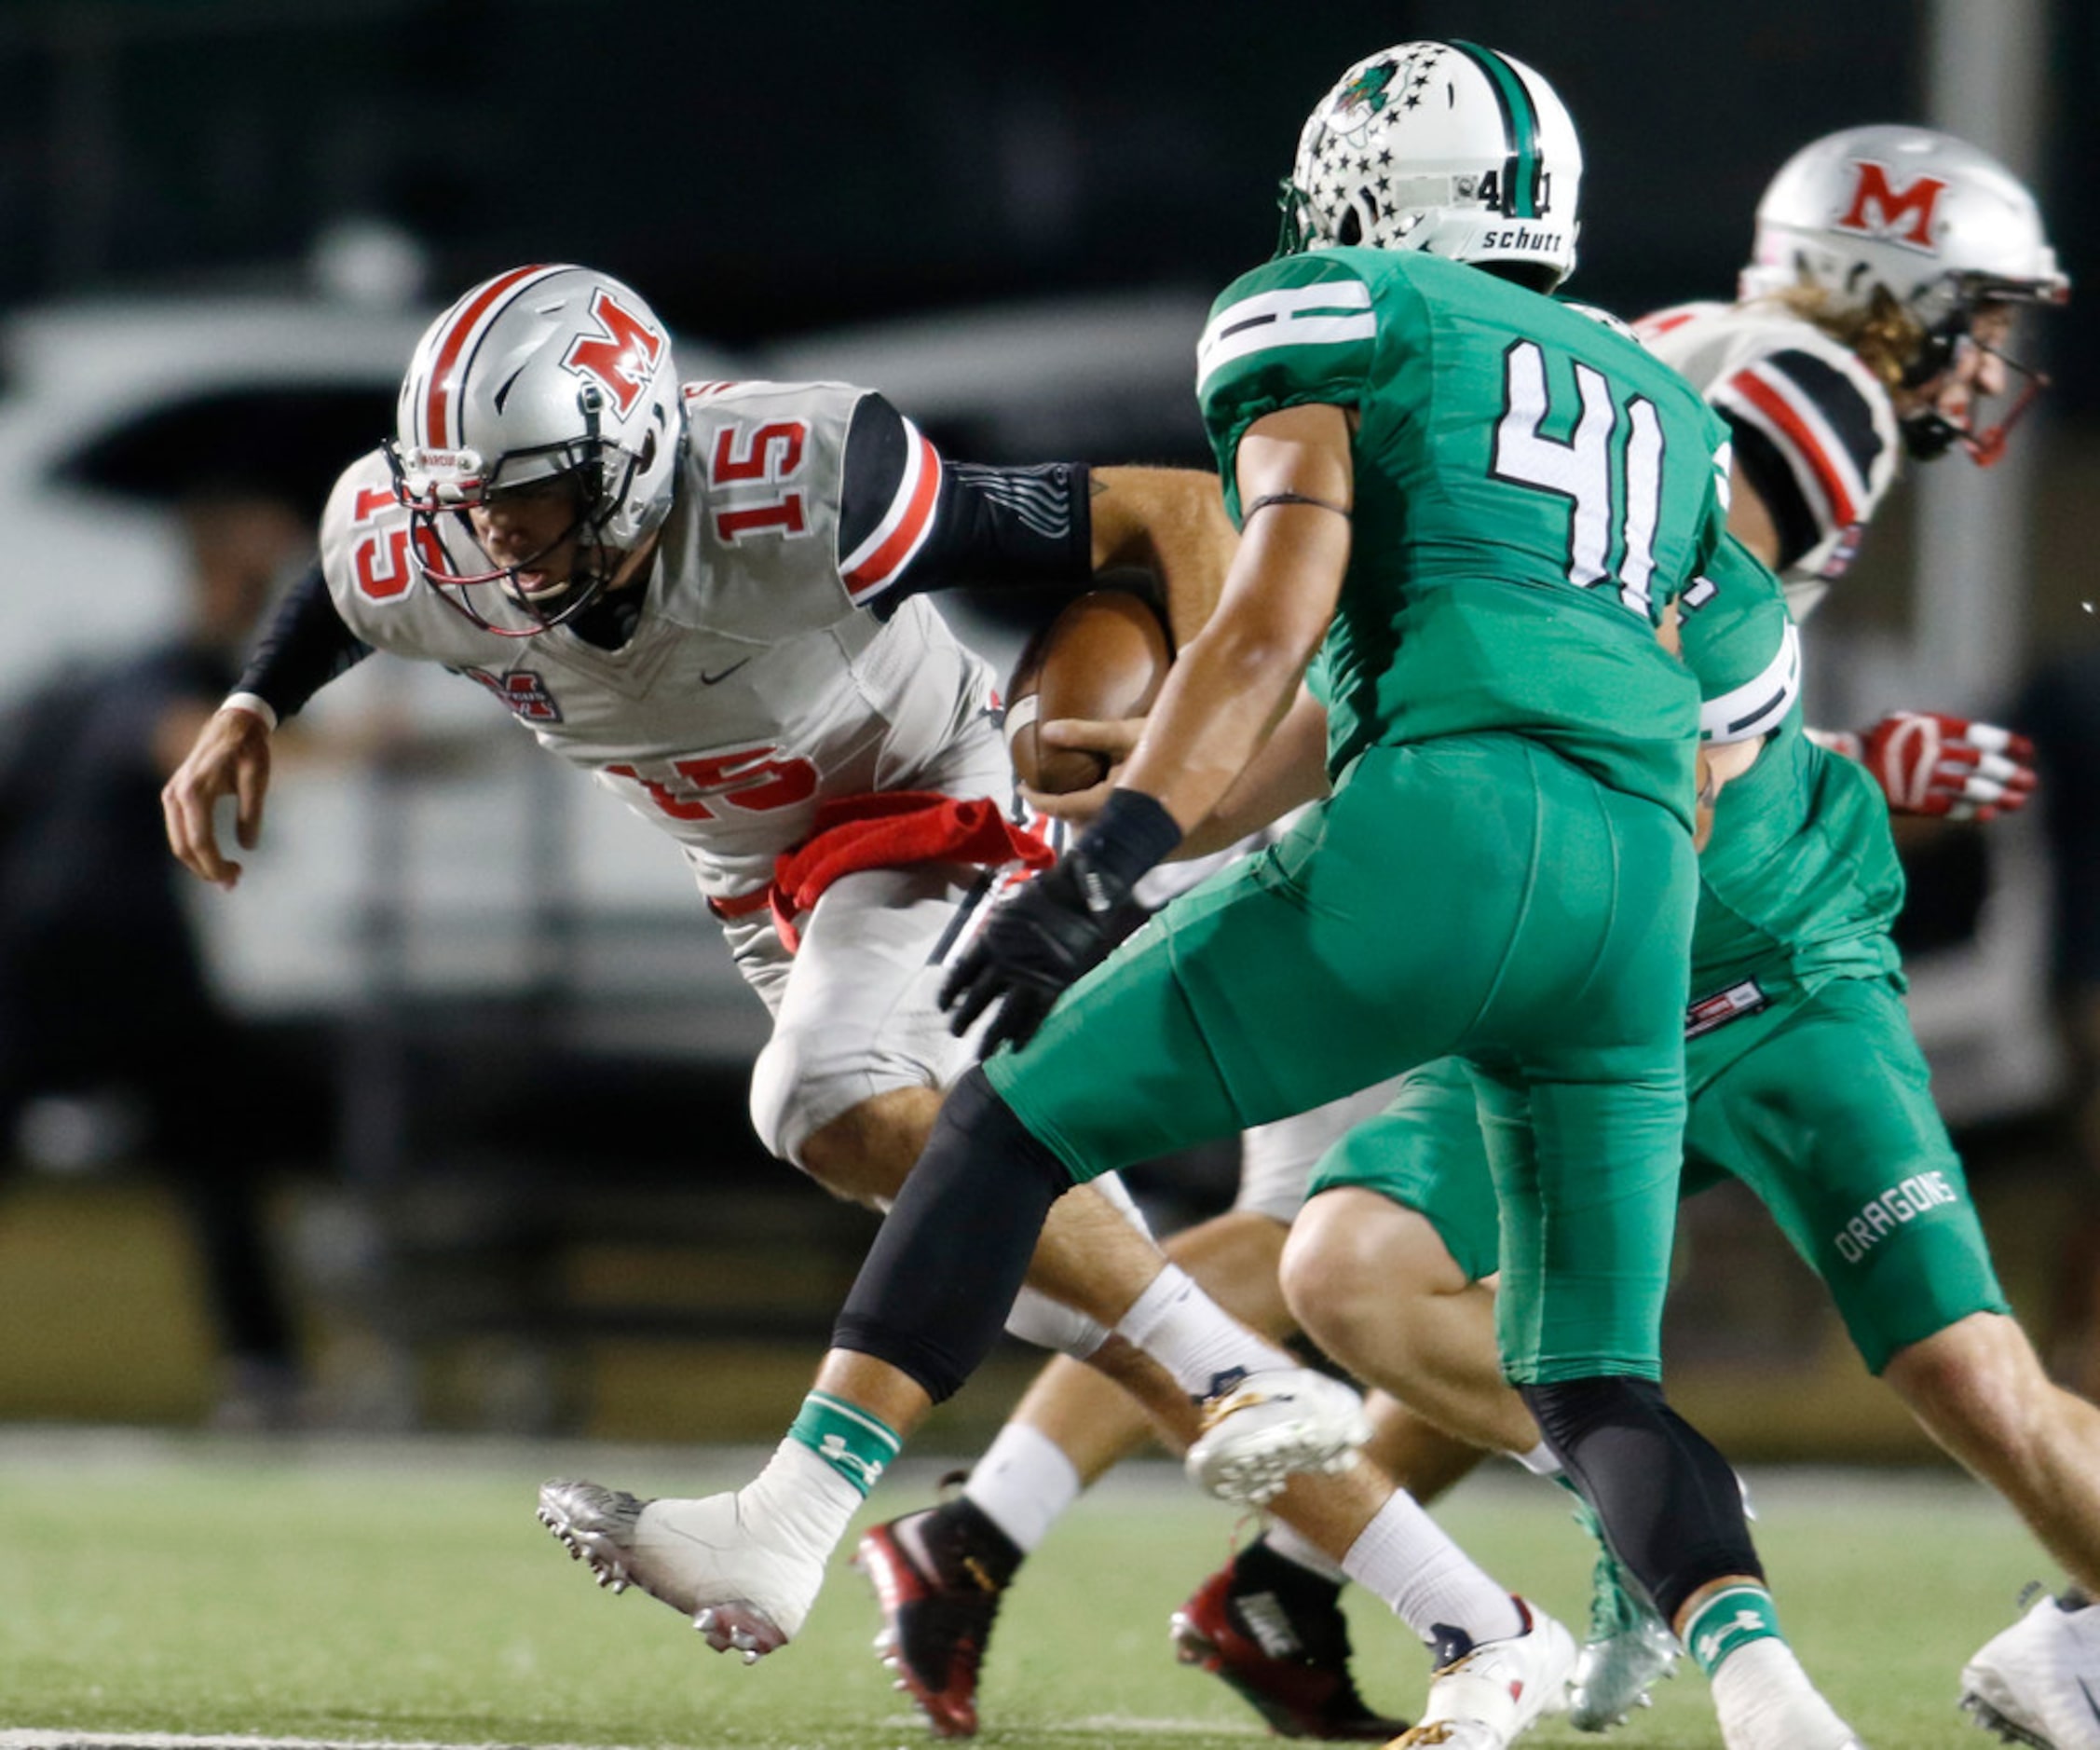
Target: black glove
x,y
1059,926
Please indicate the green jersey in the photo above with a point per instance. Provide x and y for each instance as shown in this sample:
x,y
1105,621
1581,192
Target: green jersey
x,y
1530,488
1800,878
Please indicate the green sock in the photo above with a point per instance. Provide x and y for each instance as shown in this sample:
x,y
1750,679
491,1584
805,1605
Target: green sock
x,y
1730,1620
857,1445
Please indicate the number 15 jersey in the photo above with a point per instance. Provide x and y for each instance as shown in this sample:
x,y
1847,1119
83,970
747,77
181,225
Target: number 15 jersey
x,y
1530,488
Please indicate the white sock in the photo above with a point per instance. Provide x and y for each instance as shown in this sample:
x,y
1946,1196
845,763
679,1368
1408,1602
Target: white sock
x,y
1539,1461
1762,1697
1197,1340
1023,1484
1293,1546
800,1495
1404,1556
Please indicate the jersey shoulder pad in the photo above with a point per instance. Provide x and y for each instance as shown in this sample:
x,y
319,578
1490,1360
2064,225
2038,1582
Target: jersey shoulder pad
x,y
368,559
1815,430
1295,331
1652,328
354,495
1602,317
762,394
363,528
1741,644
744,431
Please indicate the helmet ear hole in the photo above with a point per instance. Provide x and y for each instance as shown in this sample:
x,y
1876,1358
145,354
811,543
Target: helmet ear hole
x,y
1351,229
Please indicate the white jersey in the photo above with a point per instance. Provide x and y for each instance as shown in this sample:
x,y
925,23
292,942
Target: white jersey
x,y
1814,430
756,684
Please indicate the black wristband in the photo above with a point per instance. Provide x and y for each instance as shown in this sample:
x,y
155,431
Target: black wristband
x,y
1132,832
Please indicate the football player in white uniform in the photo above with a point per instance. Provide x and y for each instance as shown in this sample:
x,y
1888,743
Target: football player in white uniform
x,y
709,595
1873,321
1889,264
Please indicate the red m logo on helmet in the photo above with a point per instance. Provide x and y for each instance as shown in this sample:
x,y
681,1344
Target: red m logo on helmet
x,y
1879,211
621,357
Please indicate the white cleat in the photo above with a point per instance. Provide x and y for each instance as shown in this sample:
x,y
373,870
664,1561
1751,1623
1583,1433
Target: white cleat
x,y
2039,1682
1484,1700
1614,1675
1629,1648
744,1593
1273,1424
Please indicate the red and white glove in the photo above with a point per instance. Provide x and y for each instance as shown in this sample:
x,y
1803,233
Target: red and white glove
x,y
1929,763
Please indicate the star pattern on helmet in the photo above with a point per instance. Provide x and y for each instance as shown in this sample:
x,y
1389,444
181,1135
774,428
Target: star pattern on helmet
x,y
1352,154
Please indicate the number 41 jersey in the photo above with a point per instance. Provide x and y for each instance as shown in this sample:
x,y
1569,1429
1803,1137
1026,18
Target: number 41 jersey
x,y
1530,488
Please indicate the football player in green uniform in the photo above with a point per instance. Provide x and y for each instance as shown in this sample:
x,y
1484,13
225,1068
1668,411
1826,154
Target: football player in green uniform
x,y
1808,1085
1477,508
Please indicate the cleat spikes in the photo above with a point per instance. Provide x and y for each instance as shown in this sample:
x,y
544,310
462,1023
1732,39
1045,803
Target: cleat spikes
x,y
743,1588
1273,1424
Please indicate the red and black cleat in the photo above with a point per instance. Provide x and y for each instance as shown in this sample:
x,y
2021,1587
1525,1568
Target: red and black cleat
x,y
1275,1632
938,1575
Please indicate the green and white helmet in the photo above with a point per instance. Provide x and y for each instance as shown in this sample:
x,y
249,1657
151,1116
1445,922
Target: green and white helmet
x,y
1445,147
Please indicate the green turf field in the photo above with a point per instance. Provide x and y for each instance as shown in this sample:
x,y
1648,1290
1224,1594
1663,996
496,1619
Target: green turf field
x,y
403,1592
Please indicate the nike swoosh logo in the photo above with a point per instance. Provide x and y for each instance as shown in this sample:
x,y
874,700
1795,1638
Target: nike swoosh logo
x,y
2085,1689
708,680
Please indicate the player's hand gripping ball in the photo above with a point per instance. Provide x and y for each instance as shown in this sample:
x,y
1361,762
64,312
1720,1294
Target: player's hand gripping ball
x,y
1104,657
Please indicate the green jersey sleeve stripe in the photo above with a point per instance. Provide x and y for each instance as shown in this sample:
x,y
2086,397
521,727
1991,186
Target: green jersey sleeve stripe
x,y
1329,313
1759,705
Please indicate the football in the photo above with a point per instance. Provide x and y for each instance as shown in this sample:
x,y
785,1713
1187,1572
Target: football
x,y
1104,656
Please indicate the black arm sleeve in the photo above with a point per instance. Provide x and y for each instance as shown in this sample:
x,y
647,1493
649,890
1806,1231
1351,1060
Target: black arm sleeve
x,y
1774,458
1766,470
306,646
990,526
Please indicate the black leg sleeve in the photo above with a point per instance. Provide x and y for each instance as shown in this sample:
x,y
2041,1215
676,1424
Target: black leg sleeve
x,y
1672,1509
940,1280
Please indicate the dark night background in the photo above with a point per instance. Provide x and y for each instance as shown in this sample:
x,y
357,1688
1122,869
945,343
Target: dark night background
x,y
760,176
758,172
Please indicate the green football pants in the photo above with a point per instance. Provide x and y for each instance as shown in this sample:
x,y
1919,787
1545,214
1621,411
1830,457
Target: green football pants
x,y
1475,895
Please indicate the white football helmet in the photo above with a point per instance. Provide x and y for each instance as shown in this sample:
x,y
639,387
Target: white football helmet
x,y
537,372
1445,147
1934,224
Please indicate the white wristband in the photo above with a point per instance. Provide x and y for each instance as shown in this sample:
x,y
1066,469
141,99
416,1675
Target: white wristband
x,y
254,704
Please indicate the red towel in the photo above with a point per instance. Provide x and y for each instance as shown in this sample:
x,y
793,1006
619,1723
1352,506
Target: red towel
x,y
892,830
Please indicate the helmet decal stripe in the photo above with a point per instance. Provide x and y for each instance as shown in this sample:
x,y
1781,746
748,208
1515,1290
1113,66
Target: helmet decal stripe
x,y
1520,121
447,366
896,540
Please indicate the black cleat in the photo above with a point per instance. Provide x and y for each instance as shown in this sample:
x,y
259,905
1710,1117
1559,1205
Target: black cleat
x,y
1275,1632
938,1575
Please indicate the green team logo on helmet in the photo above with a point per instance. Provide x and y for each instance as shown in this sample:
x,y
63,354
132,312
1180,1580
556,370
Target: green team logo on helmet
x,y
1367,90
